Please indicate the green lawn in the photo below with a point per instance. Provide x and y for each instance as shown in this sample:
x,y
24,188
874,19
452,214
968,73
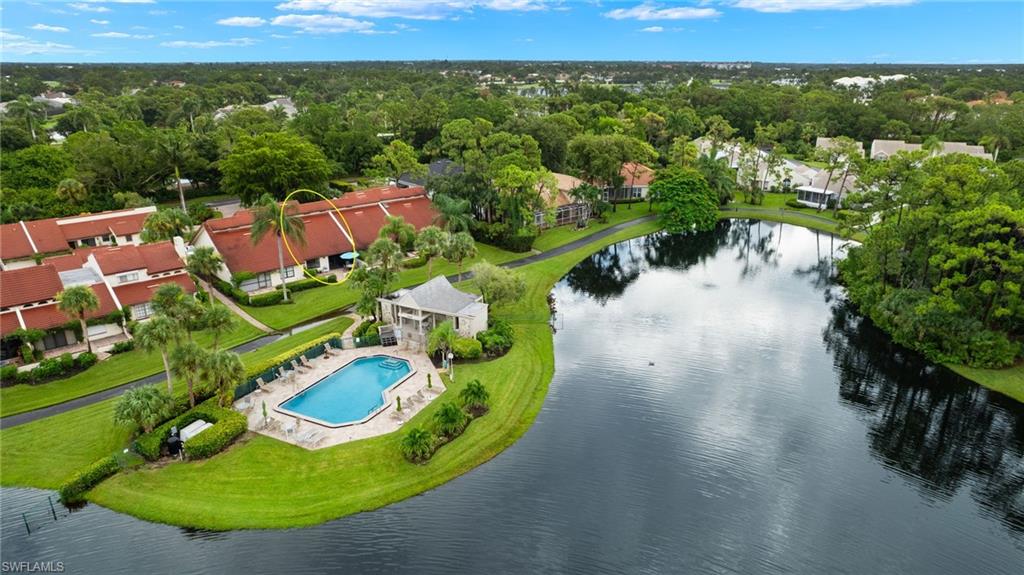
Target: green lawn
x,y
561,235
108,373
45,452
1009,381
264,483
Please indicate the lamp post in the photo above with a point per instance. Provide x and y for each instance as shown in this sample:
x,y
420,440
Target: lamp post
x,y
451,366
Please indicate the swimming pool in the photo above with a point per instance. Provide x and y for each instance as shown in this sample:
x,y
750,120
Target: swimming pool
x,y
352,394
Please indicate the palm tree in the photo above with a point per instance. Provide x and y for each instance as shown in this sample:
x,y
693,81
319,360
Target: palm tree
x,y
204,263
269,217
144,407
190,106
719,176
386,254
417,444
77,301
219,320
175,149
396,230
158,334
995,142
28,110
454,214
172,301
430,243
72,191
165,224
441,338
932,145
459,248
475,396
187,361
80,117
223,371
449,420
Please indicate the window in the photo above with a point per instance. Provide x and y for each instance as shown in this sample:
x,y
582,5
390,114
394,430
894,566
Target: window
x,y
89,242
456,323
313,263
259,282
289,272
142,311
125,278
55,339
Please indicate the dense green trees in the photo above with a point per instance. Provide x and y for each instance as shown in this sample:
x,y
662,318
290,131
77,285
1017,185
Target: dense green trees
x,y
272,164
942,265
686,203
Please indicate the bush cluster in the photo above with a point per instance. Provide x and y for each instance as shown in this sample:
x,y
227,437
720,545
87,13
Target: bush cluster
x,y
498,338
122,346
266,299
501,235
51,368
467,348
793,203
228,424
420,444
310,283
74,488
368,327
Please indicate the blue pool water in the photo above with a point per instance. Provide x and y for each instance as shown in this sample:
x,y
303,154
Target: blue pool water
x,y
351,393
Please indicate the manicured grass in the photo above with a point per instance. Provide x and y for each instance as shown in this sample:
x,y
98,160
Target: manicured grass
x,y
561,235
1009,381
111,372
264,483
316,302
45,452
785,216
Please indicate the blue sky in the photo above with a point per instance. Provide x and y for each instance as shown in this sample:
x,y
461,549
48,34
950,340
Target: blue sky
x,y
827,31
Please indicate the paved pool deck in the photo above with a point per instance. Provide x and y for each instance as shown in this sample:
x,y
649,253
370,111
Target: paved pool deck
x,y
413,391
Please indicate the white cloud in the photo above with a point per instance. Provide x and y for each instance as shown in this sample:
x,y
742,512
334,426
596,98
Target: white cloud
x,y
100,22
83,7
122,35
16,44
409,9
48,28
322,23
244,21
209,43
652,11
178,27
160,12
280,36
782,6
652,29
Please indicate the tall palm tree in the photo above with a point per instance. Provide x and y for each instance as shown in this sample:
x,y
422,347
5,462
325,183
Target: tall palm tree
x,y
396,230
455,214
165,224
994,142
77,301
175,149
218,319
191,106
187,361
450,420
459,248
72,191
29,111
474,396
80,117
172,301
269,217
204,263
417,444
158,334
144,407
932,145
431,243
386,254
223,371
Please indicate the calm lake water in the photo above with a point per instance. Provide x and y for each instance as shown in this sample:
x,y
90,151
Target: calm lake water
x,y
716,408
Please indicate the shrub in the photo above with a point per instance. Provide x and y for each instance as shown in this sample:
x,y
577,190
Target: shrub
x,y
255,369
25,376
467,348
309,283
499,234
227,428
231,291
86,360
498,338
151,445
8,374
49,367
122,346
84,480
844,215
27,353
794,204
238,278
267,299
368,327
67,363
416,262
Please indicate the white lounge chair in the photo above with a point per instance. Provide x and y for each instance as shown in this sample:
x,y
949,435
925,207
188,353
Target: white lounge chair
x,y
328,349
297,366
305,361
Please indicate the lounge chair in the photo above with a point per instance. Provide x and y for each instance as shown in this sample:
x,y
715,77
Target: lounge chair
x,y
288,427
328,349
310,438
305,361
297,366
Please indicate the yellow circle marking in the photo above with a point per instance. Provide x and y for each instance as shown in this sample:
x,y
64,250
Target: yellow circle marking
x,y
284,237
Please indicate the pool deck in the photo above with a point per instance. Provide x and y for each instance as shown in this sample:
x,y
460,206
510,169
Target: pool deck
x,y
413,391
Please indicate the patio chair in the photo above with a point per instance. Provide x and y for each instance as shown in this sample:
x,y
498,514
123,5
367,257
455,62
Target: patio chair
x,y
328,350
297,366
288,427
305,361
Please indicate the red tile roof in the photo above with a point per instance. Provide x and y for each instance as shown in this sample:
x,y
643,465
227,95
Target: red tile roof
x,y
47,236
323,238
53,234
14,243
141,292
72,261
27,285
636,174
117,259
365,224
9,322
120,223
416,211
48,316
160,257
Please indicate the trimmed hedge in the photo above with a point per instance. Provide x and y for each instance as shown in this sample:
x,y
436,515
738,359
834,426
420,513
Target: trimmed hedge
x,y
266,299
227,425
795,204
231,291
310,283
74,488
283,357
467,348
122,346
368,327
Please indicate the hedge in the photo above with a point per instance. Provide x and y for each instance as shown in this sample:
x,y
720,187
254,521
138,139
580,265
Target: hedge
x,y
84,480
310,283
266,299
367,327
498,338
227,425
467,348
286,356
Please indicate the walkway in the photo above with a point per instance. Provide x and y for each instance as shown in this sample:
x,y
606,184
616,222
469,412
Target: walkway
x,y
83,401
234,307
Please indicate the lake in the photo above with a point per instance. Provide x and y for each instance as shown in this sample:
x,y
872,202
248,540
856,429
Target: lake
x,y
717,407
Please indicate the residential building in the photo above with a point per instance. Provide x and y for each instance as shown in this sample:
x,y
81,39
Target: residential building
x,y
786,176
328,235
412,313
823,143
283,102
884,149
23,242
566,210
442,167
636,183
55,101
822,190
122,277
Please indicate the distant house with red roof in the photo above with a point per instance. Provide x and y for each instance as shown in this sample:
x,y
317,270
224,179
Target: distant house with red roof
x,y
22,242
123,278
328,236
636,183
559,201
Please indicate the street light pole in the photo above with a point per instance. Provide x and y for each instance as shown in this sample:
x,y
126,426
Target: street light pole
x,y
451,366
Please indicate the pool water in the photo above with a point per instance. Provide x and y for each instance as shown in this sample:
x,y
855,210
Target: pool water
x,y
350,394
